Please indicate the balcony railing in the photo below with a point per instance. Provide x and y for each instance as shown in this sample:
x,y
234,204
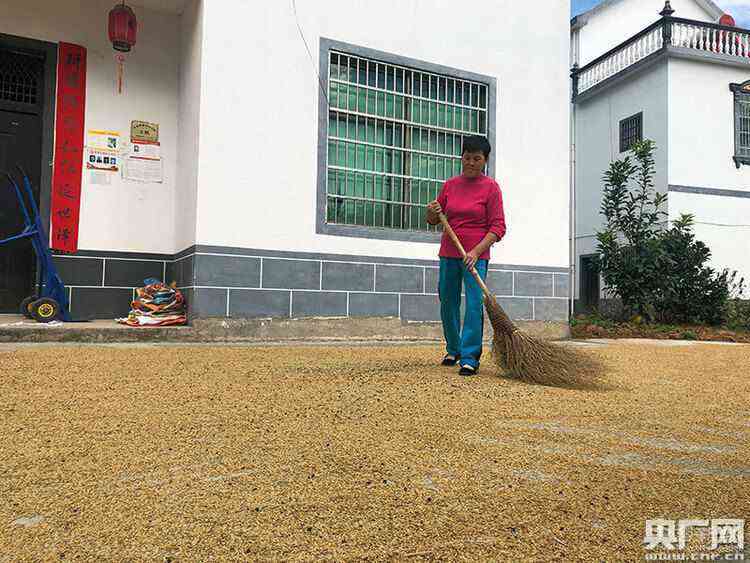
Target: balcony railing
x,y
711,38
701,37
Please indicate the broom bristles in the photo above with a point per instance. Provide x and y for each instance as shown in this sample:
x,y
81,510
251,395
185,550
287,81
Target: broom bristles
x,y
537,361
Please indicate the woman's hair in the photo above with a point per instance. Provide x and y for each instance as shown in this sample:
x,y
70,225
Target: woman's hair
x,y
477,143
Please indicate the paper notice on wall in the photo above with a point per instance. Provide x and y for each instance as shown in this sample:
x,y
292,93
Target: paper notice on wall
x,y
144,163
146,149
144,131
146,170
104,160
103,140
103,151
100,178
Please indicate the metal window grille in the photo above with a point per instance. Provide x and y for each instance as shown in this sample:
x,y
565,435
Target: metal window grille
x,y
394,136
631,131
20,79
742,127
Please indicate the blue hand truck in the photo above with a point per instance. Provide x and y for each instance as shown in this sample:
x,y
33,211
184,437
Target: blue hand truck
x,y
50,302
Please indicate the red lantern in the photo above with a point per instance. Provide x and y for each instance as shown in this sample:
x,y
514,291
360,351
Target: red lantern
x,y
727,20
123,27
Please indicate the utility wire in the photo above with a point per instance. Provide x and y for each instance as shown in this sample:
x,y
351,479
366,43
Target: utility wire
x,y
718,224
309,54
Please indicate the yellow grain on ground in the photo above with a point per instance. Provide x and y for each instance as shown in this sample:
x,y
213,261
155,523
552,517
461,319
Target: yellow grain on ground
x,y
200,453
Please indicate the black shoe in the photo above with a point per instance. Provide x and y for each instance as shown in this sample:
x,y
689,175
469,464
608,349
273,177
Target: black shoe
x,y
467,370
449,360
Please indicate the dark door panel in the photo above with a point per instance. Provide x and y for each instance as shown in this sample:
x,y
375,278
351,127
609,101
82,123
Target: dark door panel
x,y
20,143
589,277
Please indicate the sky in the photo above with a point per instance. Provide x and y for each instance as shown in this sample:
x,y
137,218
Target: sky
x,y
740,9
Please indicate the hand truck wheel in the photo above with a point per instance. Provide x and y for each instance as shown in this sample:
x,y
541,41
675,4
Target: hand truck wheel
x,y
45,310
25,307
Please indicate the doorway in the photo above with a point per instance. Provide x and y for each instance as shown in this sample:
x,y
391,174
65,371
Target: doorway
x,y
589,283
25,110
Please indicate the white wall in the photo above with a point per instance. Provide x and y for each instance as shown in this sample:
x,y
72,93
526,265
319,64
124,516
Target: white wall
x,y
701,150
621,20
598,142
723,224
191,77
259,131
122,216
702,142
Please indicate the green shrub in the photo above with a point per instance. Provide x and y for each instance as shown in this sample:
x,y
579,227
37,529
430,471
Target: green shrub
x,y
738,314
660,273
689,291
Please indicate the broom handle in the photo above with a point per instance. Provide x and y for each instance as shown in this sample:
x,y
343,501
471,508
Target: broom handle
x,y
454,238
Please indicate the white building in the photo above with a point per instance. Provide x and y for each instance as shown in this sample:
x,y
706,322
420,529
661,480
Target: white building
x,y
665,77
272,203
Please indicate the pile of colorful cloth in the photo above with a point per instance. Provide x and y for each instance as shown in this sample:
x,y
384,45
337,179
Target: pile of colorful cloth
x,y
157,304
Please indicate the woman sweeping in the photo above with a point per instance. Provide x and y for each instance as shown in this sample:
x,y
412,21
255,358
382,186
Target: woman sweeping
x,y
473,205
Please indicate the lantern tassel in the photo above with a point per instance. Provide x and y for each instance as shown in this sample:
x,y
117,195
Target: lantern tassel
x,y
120,72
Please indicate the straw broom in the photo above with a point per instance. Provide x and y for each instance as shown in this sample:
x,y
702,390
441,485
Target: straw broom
x,y
521,355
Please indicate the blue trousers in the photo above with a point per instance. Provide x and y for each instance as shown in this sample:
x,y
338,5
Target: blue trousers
x,y
466,343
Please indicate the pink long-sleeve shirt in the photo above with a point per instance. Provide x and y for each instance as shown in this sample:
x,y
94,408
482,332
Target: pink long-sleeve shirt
x,y
474,207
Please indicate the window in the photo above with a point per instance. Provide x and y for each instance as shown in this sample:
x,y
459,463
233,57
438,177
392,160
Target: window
x,y
741,123
395,133
20,81
631,131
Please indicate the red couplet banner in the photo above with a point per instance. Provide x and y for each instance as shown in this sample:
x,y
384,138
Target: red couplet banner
x,y
68,165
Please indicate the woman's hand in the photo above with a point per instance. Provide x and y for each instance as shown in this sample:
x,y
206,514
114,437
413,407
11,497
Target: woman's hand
x,y
434,209
471,258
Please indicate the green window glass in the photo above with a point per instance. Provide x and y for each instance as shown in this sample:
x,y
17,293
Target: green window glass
x,y
350,151
362,100
380,132
360,156
343,95
389,105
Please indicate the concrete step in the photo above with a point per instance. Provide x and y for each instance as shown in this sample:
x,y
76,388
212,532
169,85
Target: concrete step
x,y
348,330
